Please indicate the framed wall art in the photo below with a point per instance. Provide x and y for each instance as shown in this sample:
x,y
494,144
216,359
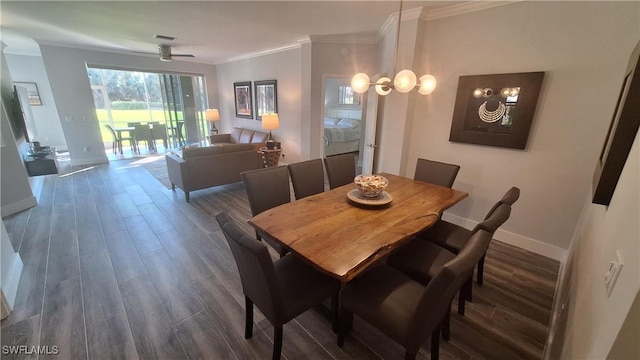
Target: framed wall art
x,y
621,135
495,110
32,92
266,97
242,95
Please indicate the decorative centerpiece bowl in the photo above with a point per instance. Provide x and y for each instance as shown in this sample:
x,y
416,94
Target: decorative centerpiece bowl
x,y
371,186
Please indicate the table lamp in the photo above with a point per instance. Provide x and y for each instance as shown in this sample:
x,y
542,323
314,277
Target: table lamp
x,y
212,115
270,122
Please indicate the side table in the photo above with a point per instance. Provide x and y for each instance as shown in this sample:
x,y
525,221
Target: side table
x,y
270,157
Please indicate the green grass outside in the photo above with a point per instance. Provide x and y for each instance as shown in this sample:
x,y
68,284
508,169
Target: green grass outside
x,y
122,117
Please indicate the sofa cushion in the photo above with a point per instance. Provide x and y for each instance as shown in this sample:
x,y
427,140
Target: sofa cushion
x,y
246,136
235,135
259,137
227,148
201,151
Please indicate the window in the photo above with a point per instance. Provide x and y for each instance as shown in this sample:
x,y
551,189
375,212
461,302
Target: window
x,y
346,96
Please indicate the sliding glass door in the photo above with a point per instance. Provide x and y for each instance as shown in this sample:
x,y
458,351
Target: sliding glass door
x,y
123,98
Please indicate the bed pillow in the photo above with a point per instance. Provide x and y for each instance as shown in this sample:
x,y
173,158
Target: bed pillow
x,y
348,123
329,121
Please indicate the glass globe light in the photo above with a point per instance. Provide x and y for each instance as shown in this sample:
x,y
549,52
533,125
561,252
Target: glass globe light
x,y
427,84
360,83
405,81
383,86
477,93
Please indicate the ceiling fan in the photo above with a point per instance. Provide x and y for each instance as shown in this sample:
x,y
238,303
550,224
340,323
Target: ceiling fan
x,y
164,50
166,54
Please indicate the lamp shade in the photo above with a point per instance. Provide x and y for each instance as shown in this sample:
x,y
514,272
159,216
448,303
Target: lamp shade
x,y
405,81
360,83
270,121
427,84
212,115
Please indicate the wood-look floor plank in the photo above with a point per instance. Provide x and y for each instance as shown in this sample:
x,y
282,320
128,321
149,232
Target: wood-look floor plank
x,y
64,190
63,320
155,218
81,183
24,333
229,316
99,287
144,239
16,225
111,339
125,205
30,292
90,235
201,339
64,262
185,258
138,195
109,216
153,334
179,299
124,257
36,235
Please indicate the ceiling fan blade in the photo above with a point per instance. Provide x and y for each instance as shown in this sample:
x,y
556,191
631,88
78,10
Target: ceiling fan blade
x,y
144,52
183,55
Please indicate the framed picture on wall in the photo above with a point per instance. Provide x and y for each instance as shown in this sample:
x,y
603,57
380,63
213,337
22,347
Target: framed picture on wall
x,y
495,110
32,91
266,97
622,133
242,95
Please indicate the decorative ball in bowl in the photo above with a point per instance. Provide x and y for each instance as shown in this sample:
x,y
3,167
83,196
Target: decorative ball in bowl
x,y
371,185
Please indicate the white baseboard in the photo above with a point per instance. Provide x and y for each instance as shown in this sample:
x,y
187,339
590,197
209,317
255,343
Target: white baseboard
x,y
10,289
514,239
89,161
19,206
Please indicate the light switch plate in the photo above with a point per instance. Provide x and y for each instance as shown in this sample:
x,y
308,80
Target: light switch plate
x,y
610,278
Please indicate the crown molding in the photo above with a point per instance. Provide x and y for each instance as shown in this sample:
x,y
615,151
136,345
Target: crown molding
x,y
345,38
280,49
468,7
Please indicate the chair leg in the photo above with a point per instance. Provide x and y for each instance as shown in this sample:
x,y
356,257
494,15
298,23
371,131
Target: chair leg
x,y
186,196
248,318
480,270
335,307
346,322
468,289
461,301
277,342
409,356
435,343
446,324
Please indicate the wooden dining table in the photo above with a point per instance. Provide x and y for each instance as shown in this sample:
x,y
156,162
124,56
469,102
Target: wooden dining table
x,y
341,237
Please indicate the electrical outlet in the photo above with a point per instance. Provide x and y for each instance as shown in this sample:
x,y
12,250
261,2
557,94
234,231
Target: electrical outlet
x,y
610,278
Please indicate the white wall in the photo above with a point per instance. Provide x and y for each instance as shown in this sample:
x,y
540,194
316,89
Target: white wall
x,y
31,69
66,70
595,319
285,67
15,192
583,47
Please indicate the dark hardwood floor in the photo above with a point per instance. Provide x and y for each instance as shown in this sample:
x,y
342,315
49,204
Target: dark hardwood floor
x,y
116,266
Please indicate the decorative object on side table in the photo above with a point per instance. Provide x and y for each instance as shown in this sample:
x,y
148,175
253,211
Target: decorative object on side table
x,y
495,110
212,115
270,122
242,94
271,157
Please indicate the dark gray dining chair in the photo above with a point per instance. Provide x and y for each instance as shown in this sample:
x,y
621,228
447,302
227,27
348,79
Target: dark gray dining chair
x,y
143,133
341,169
118,139
307,178
281,290
266,189
436,172
453,237
419,259
404,309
